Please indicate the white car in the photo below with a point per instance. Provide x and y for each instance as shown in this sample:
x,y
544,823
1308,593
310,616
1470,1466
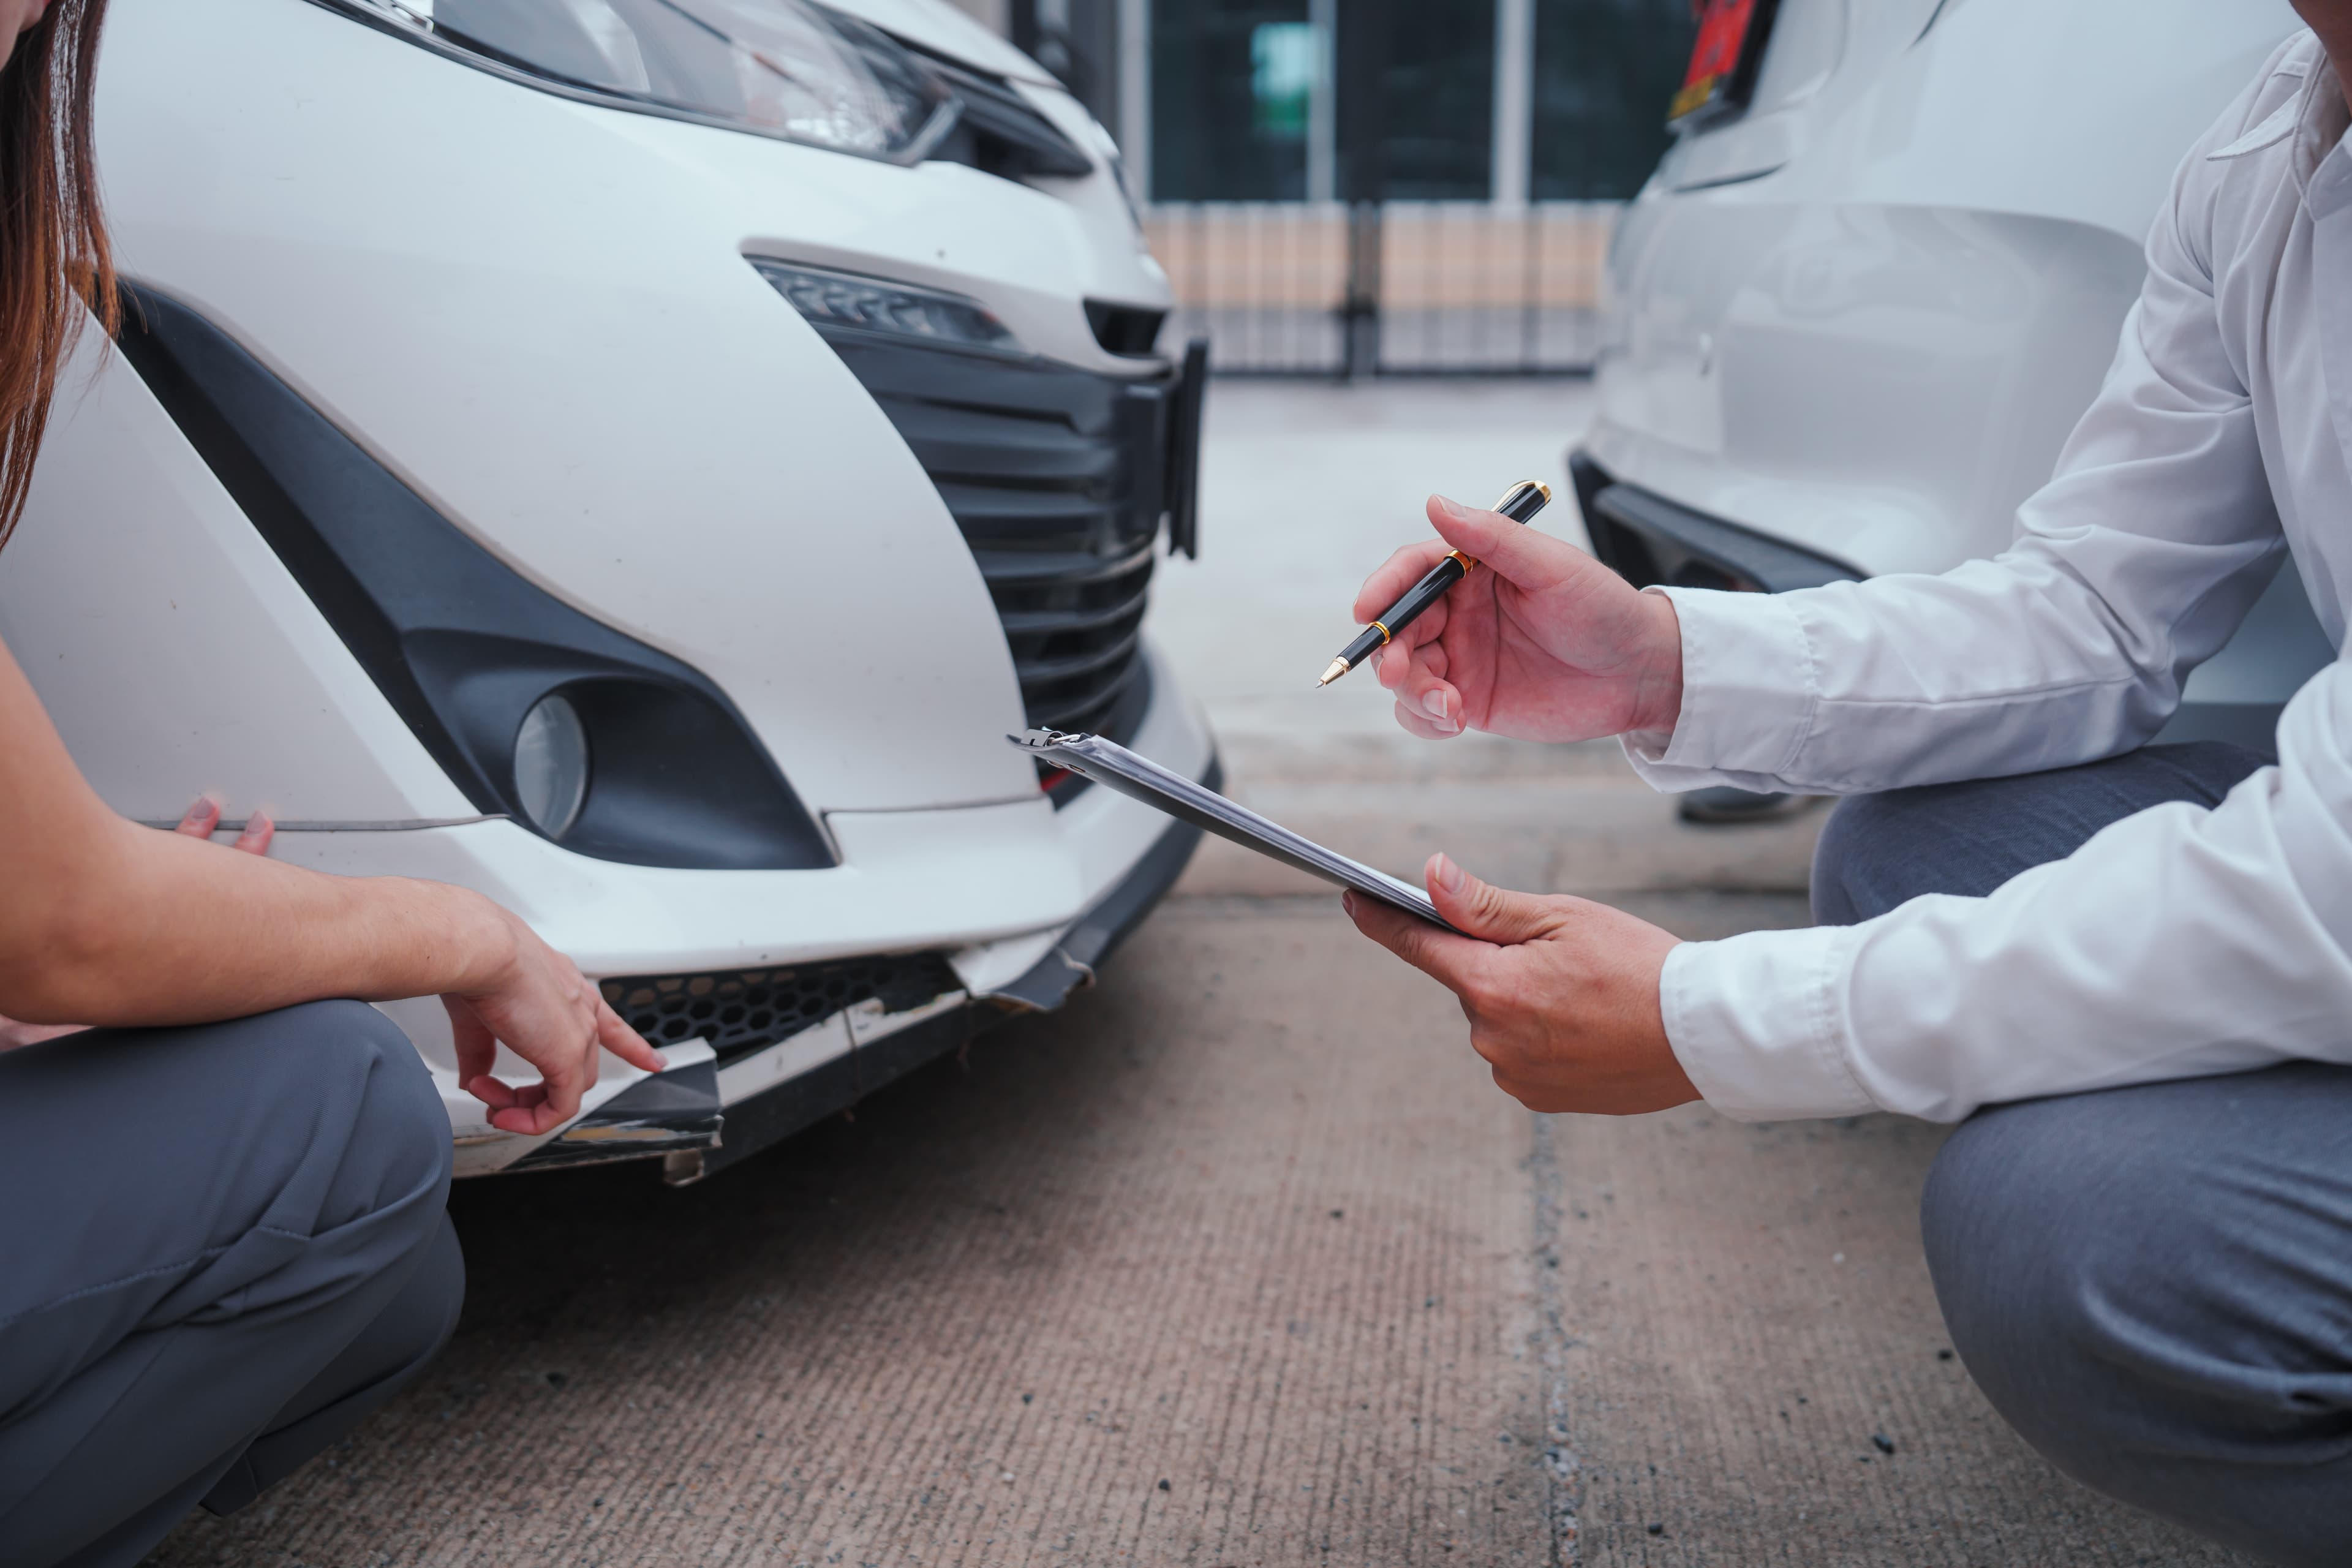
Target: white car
x,y
1879,275
639,458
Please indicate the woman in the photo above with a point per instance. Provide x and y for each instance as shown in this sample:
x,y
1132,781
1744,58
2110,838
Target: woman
x,y
224,1240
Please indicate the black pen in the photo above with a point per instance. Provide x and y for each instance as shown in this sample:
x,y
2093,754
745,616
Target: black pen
x,y
1522,502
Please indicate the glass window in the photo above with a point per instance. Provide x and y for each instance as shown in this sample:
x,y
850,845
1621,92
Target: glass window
x,y
1231,81
1437,98
1605,70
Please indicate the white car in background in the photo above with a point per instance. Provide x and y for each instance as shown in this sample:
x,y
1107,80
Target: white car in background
x,y
639,458
1879,275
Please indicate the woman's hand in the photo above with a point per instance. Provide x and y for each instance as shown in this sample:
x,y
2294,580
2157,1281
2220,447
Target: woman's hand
x,y
550,1014
529,996
105,923
1543,643
1561,993
202,821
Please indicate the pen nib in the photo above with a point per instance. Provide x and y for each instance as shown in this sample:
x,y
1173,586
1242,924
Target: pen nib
x,y
1338,668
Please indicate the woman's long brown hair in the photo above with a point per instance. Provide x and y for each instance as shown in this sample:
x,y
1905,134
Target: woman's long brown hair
x,y
56,268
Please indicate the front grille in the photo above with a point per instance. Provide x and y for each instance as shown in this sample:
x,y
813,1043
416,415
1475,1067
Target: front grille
x,y
1058,479
739,1010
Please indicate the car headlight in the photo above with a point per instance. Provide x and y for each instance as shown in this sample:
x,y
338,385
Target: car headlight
x,y
781,67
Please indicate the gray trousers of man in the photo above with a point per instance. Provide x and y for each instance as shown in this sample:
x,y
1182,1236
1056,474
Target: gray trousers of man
x,y
220,1247
2152,1285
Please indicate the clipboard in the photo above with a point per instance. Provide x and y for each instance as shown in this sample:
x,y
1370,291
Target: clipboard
x,y
1115,767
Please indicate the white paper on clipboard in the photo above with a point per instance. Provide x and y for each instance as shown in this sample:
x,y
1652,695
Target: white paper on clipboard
x,y
1115,767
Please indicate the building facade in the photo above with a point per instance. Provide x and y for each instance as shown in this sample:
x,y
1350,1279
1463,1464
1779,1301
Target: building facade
x,y
1375,185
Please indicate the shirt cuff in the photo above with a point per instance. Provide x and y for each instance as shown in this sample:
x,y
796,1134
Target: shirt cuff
x,y
1756,1022
1749,690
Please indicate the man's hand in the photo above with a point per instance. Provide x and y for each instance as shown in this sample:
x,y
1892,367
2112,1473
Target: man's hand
x,y
1543,643
1561,993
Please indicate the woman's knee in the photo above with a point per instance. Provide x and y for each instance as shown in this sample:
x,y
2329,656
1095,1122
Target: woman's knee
x,y
386,1355
400,1135
305,1117
349,1073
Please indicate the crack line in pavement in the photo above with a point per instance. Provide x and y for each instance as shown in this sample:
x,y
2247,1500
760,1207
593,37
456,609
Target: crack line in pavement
x,y
1563,1471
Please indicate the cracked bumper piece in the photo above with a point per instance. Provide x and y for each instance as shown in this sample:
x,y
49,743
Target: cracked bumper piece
x,y
1070,961
773,1092
669,1113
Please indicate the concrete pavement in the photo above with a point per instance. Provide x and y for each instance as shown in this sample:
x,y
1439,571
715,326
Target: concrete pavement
x,y
1240,1259
1246,1220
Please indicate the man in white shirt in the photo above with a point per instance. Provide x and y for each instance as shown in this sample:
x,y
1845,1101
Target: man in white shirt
x,y
2141,958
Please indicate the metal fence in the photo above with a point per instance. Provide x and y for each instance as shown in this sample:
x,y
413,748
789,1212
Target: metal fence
x,y
1387,289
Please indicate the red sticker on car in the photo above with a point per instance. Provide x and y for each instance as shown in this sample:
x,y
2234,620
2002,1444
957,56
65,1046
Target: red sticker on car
x,y
1723,30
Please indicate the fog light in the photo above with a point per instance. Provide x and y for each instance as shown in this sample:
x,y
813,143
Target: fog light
x,y
551,766
869,304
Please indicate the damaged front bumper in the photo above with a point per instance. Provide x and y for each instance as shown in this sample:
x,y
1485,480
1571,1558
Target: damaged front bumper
x,y
756,1055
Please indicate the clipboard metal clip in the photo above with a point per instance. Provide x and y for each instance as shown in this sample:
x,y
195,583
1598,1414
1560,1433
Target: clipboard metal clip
x,y
1115,767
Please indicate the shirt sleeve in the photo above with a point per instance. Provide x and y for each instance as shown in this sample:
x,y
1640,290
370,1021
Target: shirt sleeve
x,y
2131,567
2178,943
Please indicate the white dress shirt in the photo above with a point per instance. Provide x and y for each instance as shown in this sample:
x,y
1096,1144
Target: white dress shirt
x,y
2176,943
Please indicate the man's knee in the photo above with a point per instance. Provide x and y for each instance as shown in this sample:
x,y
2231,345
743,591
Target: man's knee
x,y
2145,1283
1844,838
1870,853
2014,1245
1878,851
2075,1244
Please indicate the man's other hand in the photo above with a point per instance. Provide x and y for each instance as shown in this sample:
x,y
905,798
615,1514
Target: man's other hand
x,y
1543,643
1561,993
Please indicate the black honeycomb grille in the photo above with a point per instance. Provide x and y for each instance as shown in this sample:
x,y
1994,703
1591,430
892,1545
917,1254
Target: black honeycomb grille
x,y
739,1010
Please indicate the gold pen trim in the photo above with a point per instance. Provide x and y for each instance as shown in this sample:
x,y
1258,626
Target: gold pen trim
x,y
1340,667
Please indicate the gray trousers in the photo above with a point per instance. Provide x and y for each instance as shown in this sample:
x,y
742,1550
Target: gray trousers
x,y
220,1247
2152,1285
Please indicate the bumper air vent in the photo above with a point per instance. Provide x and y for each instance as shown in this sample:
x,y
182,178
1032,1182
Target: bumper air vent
x,y
738,1010
1128,330
1650,541
1058,479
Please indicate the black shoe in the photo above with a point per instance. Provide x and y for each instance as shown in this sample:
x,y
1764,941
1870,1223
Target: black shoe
x,y
1722,805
